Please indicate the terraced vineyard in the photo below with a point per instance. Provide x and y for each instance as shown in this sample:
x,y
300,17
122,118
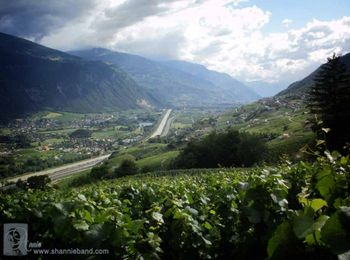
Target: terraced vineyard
x,y
285,212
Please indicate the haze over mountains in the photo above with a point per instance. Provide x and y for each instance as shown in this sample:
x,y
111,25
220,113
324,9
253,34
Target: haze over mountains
x,y
266,89
176,82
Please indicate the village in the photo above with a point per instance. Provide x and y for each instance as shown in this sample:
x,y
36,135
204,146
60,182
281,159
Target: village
x,y
53,139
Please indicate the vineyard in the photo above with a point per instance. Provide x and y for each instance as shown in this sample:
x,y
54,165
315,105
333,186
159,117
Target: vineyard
x,y
299,211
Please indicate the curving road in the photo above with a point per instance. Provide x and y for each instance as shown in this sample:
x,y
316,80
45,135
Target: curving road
x,y
162,124
65,170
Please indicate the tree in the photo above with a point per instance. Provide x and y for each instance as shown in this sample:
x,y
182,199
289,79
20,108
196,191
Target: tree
x,y
80,133
127,167
329,102
38,182
99,172
227,149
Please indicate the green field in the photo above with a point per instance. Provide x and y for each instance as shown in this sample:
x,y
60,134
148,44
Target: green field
x,y
148,156
61,116
157,162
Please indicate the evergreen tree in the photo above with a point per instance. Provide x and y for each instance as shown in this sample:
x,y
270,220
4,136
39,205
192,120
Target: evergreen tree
x,y
329,102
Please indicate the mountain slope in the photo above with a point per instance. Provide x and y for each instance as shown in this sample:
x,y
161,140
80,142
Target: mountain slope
x,y
171,85
299,88
34,77
228,86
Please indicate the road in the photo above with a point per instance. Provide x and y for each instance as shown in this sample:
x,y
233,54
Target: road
x,y
162,124
65,170
167,126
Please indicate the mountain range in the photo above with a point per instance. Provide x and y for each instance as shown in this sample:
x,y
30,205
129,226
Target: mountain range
x,y
34,77
175,83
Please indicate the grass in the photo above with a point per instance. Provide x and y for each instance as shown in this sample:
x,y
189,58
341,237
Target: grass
x,y
149,156
51,115
157,162
105,133
58,131
179,125
285,122
57,115
5,131
144,149
53,141
75,180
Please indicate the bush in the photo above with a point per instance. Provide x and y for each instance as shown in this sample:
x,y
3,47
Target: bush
x,y
127,167
80,133
99,172
38,182
222,149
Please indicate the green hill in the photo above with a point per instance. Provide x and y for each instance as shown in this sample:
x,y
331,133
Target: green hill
x,y
282,121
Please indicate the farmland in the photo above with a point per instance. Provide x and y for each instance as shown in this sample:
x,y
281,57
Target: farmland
x,y
272,212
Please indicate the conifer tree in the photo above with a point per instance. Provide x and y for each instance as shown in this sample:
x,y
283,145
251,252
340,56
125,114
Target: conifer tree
x,y
329,102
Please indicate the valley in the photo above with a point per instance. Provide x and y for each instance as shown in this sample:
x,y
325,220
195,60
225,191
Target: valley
x,y
49,139
147,157
163,126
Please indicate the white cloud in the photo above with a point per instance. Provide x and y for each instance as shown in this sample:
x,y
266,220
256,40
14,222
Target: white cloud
x,y
287,22
220,34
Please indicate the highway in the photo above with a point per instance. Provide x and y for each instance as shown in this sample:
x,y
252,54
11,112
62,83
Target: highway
x,y
162,125
65,170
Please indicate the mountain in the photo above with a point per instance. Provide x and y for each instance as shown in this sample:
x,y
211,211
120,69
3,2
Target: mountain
x,y
228,86
34,77
299,88
172,84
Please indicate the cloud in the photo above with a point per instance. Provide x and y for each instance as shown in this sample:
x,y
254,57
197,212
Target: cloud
x,y
36,18
220,34
287,22
133,11
290,55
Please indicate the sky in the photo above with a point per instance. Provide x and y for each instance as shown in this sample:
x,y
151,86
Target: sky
x,y
274,41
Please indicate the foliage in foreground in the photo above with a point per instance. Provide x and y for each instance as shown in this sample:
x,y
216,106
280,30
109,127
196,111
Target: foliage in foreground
x,y
287,212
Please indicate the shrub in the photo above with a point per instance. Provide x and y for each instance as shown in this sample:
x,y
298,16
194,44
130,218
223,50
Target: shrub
x,y
222,149
126,167
80,133
99,172
38,182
